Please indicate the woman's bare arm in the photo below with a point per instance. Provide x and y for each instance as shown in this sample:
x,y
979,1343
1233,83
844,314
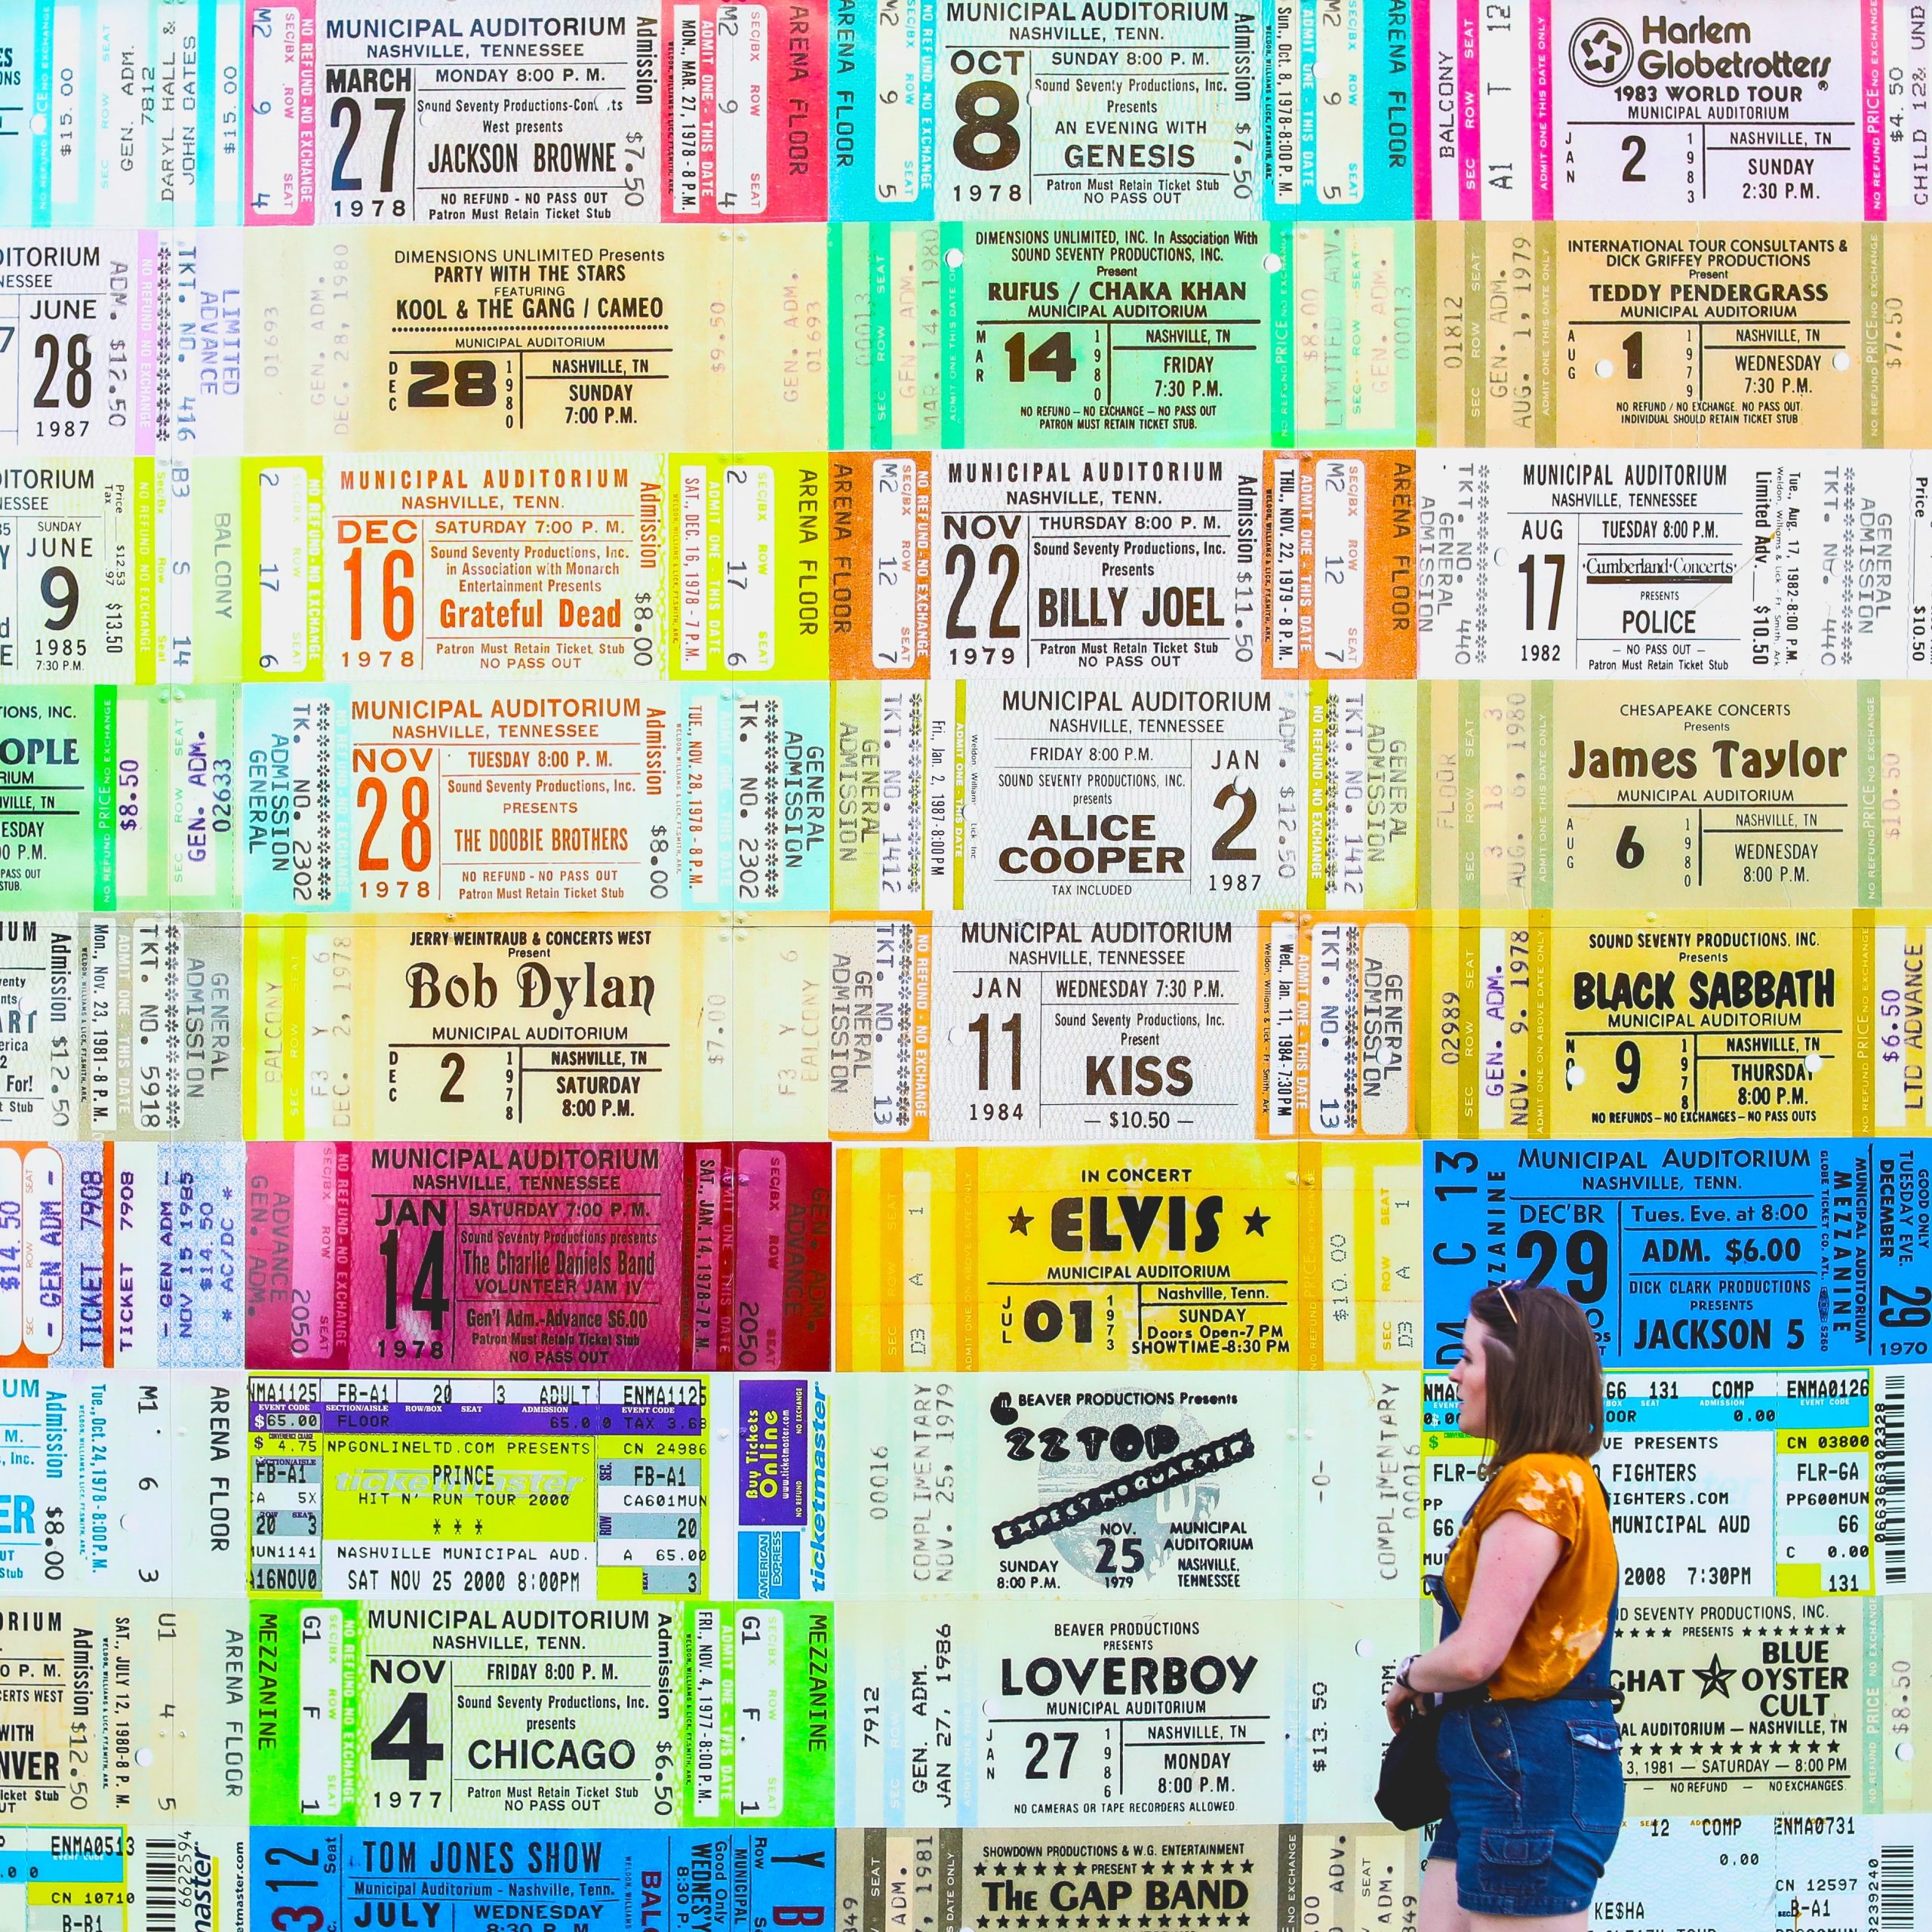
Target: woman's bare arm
x,y
1513,1562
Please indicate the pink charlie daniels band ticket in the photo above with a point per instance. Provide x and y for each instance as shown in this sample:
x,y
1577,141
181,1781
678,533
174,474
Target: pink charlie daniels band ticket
x,y
547,1257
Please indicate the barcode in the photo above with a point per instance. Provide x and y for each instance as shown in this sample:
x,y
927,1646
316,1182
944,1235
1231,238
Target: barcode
x,y
1898,1885
1889,1514
159,1866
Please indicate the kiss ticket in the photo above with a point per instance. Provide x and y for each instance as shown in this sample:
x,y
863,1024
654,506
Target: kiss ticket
x,y
1762,1708
479,1712
126,1709
1083,1485
1176,1257
694,112
618,1880
610,1490
1596,333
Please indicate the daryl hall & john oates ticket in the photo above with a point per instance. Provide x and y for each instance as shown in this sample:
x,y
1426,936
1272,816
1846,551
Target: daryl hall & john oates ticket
x,y
814,813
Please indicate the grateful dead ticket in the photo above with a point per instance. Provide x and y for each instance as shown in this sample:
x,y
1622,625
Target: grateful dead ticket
x,y
478,1712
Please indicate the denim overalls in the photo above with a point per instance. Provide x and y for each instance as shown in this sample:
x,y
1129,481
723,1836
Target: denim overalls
x,y
1535,1791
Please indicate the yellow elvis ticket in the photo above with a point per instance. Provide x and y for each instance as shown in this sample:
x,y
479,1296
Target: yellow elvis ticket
x,y
1170,1257
1541,335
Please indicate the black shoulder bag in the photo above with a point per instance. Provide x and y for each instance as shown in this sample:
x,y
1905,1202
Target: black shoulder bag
x,y
1412,1791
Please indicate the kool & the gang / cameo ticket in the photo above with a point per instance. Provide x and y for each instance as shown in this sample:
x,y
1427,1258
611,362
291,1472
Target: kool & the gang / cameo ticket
x,y
811,818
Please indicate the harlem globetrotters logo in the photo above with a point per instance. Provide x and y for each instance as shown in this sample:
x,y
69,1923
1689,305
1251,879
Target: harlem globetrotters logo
x,y
1600,52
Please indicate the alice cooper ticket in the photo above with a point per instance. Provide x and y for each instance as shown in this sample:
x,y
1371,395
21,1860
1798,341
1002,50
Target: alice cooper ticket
x,y
623,1879
472,1712
1757,1707
367,1487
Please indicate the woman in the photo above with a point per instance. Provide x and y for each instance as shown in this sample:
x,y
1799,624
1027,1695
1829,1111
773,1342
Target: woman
x,y
1529,1751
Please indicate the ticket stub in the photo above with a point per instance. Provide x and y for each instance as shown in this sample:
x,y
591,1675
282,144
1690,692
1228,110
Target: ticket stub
x,y
1166,334
553,1258
712,112
70,570
125,1709
561,797
54,1236
618,1880
545,337
1690,336
610,1489
1082,1485
124,1027
105,1877
1095,1029
1583,563
1728,1485
1009,1712
510,1030
1572,1025
119,1487
1754,1707
480,1713
651,567
1787,1253
1572,112
1795,795
1177,796
967,336
944,1879
1175,1257
1180,112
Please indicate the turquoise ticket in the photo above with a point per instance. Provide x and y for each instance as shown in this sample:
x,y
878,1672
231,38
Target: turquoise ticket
x,y
967,335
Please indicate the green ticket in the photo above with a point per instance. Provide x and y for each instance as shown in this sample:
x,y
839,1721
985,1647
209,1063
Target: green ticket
x,y
470,1712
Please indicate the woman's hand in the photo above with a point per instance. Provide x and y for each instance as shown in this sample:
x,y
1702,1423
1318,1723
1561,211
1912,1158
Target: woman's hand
x,y
1399,1705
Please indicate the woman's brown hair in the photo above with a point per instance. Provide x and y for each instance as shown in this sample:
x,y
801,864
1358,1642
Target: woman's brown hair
x,y
1544,1378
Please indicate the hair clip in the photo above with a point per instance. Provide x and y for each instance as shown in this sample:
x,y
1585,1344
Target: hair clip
x,y
1509,1307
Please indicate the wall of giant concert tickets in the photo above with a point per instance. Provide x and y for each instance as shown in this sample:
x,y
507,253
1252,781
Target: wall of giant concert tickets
x,y
814,814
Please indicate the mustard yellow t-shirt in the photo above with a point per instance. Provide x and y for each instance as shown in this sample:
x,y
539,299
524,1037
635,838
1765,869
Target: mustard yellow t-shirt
x,y
1571,1612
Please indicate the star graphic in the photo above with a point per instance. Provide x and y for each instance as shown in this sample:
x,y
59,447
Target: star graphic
x,y
1715,1677
1019,1220
1257,1220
